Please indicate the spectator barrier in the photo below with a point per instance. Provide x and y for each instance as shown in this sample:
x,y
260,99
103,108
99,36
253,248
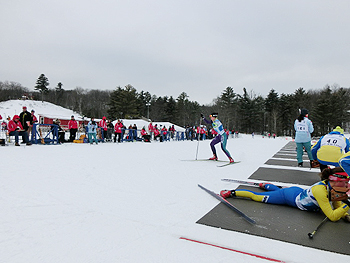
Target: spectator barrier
x,y
48,134
44,134
132,135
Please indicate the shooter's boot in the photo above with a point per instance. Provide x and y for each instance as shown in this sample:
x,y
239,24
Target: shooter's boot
x,y
227,193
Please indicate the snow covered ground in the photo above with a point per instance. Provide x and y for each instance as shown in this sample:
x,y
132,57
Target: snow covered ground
x,y
13,107
128,202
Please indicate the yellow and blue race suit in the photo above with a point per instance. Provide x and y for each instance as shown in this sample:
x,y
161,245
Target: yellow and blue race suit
x,y
314,198
330,148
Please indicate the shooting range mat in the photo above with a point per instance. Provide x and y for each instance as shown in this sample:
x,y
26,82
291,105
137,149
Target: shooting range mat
x,y
278,222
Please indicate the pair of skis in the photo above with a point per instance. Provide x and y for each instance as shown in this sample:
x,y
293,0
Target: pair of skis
x,y
228,204
221,165
244,216
251,183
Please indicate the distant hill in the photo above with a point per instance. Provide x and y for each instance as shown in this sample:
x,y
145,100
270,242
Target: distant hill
x,y
13,107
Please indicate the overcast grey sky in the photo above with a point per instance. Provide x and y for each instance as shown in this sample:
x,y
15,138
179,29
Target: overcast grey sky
x,y
167,47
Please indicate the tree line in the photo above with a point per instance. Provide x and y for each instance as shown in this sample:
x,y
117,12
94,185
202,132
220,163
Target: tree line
x,y
246,112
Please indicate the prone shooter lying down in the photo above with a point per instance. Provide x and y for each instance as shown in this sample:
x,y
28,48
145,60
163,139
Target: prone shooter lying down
x,y
332,188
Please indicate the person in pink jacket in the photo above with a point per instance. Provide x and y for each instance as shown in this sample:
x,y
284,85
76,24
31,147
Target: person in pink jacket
x,y
198,131
145,136
143,132
103,125
118,130
15,128
150,129
73,128
156,132
202,132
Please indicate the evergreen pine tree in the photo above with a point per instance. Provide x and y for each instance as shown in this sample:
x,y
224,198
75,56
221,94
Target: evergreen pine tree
x,y
271,107
41,85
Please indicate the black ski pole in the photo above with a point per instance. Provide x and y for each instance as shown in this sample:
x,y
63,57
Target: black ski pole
x,y
311,235
200,124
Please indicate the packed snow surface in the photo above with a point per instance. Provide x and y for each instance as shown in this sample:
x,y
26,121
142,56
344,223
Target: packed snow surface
x,y
129,202
14,107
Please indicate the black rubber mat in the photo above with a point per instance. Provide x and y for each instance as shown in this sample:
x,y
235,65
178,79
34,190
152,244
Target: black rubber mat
x,y
287,163
290,146
278,222
286,176
289,156
281,223
288,151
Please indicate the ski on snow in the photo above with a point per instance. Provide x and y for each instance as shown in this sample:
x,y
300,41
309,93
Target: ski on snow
x,y
226,164
228,204
222,165
251,183
201,160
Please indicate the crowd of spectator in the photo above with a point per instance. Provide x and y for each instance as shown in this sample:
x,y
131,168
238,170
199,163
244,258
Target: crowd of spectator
x,y
20,125
95,132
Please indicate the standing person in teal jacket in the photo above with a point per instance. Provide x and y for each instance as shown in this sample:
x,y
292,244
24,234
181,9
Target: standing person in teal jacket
x,y
303,129
92,130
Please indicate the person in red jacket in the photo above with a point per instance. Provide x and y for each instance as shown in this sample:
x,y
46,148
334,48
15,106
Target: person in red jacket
x,y
73,128
202,132
144,135
143,132
118,130
213,132
156,132
151,129
103,125
164,134
198,130
15,128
